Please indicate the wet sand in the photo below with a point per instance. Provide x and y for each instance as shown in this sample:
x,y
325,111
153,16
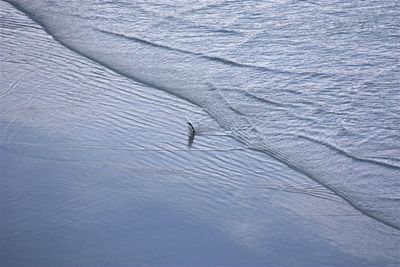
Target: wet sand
x,y
96,171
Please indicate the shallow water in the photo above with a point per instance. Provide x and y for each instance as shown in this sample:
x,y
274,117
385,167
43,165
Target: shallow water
x,y
296,158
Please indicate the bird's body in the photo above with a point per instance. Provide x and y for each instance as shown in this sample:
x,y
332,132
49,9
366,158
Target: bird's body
x,y
192,133
191,129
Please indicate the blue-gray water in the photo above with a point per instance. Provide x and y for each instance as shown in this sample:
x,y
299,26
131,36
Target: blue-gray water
x,y
296,161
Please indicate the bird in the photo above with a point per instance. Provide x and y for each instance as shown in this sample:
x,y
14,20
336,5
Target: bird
x,y
192,133
191,128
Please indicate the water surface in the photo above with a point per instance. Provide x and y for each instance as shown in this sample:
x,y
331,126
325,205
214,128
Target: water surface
x,y
296,158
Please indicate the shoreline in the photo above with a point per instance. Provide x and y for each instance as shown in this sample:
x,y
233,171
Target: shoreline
x,y
98,165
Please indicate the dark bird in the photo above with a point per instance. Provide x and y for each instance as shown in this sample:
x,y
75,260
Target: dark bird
x,y
192,133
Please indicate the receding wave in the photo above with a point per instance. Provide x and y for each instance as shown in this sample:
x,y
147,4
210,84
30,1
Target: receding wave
x,y
221,60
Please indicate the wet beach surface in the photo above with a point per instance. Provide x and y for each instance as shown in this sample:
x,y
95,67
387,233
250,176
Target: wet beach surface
x,y
96,171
